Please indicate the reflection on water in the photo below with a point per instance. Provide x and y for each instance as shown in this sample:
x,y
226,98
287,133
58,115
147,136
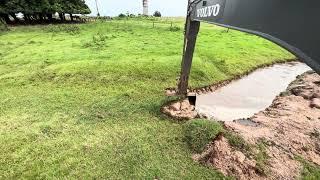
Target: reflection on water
x,y
251,94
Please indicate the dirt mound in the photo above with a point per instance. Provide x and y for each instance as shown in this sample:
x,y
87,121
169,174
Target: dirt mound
x,y
288,129
229,161
180,110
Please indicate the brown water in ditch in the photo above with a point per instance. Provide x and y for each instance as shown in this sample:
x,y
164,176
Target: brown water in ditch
x,y
243,98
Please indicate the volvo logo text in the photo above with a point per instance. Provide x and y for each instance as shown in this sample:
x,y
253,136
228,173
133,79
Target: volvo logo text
x,y
208,11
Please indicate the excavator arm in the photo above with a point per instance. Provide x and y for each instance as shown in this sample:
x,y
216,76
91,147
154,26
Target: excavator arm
x,y
292,24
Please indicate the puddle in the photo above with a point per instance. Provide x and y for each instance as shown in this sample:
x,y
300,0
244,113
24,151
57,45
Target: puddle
x,y
243,98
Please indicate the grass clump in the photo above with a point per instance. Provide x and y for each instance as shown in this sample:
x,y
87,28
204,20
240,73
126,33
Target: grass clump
x,y
98,41
174,28
237,141
64,28
199,133
310,171
261,158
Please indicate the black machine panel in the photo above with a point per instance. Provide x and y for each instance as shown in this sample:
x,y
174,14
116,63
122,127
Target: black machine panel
x,y
292,24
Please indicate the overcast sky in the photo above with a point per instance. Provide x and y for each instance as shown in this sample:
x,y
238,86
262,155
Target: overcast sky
x,y
115,7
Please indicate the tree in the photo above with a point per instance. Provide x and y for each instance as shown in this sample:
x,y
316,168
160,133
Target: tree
x,y
41,10
121,15
5,9
157,14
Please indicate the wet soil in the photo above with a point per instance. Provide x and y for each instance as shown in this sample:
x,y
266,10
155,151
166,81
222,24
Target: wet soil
x,y
249,95
289,128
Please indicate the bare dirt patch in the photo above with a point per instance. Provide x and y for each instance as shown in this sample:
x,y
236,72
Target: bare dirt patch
x,y
289,128
229,161
180,110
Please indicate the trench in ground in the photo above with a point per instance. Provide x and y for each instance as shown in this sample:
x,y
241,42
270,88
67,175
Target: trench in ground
x,y
251,94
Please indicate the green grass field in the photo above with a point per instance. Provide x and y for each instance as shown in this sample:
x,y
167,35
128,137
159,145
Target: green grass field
x,y
83,102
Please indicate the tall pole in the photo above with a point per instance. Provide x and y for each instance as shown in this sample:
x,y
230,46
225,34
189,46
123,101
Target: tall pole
x,y
190,38
97,8
145,7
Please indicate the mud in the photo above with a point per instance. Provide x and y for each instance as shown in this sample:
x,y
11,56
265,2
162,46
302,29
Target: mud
x,y
190,112
218,85
290,127
249,95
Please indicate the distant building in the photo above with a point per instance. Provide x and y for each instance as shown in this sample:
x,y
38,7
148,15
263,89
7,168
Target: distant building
x,y
145,7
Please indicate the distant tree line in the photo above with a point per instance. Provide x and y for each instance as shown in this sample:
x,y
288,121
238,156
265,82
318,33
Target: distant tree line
x,y
155,14
41,10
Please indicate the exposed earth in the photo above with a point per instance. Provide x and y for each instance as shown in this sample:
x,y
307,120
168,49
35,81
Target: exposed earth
x,y
288,129
180,110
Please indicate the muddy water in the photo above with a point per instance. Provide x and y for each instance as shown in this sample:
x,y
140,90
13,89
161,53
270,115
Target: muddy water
x,y
249,95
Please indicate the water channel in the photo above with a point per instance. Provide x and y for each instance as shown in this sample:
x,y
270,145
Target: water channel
x,y
249,95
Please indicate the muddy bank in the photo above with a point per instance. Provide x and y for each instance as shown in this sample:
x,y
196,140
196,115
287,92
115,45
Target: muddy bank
x,y
289,128
249,95
182,110
219,84
222,156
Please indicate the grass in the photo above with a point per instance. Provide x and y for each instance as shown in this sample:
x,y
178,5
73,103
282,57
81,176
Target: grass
x,y
201,132
262,158
238,142
310,171
71,29
86,105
